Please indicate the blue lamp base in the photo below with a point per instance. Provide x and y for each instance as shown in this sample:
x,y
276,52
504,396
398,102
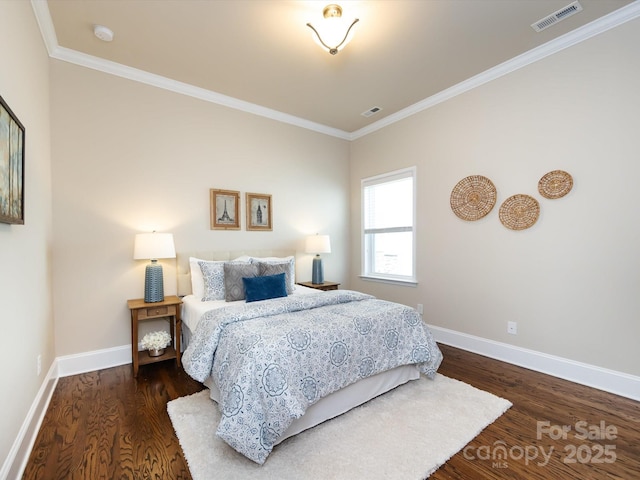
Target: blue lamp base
x,y
153,283
317,275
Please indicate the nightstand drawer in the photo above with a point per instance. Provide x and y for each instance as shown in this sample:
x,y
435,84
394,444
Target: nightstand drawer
x,y
159,311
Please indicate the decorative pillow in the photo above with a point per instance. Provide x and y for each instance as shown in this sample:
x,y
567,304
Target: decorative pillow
x,y
213,280
263,288
276,268
233,275
197,280
289,262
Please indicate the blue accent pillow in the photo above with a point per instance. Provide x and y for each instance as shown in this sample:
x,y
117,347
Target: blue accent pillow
x,y
263,288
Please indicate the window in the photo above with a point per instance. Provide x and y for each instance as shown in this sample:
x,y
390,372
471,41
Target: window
x,y
388,235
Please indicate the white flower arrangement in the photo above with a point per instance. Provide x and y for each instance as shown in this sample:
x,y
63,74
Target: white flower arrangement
x,y
155,340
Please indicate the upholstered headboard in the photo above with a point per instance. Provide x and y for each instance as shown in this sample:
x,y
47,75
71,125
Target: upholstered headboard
x,y
182,262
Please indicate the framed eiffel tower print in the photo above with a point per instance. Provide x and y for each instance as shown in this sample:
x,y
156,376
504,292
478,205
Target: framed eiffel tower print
x,y
225,209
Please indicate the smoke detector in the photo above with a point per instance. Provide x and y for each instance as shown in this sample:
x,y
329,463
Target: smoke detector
x,y
103,33
556,17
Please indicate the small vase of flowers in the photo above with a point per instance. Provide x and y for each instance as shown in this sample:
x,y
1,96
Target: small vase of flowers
x,y
155,342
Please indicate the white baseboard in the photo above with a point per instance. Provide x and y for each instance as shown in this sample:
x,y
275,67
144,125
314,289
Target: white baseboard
x,y
95,360
16,461
611,381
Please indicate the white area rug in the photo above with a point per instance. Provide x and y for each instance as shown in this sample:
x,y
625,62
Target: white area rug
x,y
405,434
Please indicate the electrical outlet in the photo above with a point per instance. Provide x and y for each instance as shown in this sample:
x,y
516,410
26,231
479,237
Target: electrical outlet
x,y
512,328
38,365
420,309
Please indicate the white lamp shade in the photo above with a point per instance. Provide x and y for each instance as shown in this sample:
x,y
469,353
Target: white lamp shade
x,y
151,246
332,31
318,244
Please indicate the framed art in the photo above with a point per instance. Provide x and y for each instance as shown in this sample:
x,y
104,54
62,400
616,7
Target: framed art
x,y
225,209
259,212
11,166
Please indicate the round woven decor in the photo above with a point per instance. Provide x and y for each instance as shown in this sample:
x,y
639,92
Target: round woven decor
x,y
473,197
519,212
555,184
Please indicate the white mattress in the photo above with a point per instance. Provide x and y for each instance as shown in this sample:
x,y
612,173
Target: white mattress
x,y
193,308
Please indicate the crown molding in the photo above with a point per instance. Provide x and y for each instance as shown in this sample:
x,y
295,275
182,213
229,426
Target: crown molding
x,y
612,20
119,70
43,18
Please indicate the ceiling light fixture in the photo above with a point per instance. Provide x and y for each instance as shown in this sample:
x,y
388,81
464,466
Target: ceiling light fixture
x,y
336,31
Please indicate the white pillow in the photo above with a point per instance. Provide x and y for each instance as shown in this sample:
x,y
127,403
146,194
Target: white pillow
x,y
272,259
197,281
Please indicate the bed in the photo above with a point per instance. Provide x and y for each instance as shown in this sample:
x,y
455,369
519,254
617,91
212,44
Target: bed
x,y
277,366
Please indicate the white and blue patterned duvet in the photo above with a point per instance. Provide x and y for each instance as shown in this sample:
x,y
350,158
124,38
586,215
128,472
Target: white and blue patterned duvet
x,y
272,359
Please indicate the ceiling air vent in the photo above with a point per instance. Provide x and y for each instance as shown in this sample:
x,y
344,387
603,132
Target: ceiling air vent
x,y
556,17
371,111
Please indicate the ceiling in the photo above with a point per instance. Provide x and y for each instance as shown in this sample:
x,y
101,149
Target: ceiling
x,y
259,55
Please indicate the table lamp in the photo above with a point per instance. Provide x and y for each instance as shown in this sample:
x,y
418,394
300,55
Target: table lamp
x,y
318,244
152,246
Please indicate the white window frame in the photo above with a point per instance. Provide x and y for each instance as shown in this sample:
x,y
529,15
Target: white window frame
x,y
367,253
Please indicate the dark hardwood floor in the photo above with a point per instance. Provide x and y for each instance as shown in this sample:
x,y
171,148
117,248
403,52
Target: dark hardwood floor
x,y
109,425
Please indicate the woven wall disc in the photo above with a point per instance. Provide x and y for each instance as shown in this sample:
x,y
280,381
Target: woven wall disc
x,y
473,197
555,184
519,212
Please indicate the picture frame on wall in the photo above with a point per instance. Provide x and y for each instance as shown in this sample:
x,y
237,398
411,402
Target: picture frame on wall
x,y
259,215
11,166
225,209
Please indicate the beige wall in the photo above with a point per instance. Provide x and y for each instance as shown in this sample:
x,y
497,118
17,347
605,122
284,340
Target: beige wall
x,y
572,281
25,250
129,158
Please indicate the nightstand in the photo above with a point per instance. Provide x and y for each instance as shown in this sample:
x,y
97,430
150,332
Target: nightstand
x,y
140,311
320,286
